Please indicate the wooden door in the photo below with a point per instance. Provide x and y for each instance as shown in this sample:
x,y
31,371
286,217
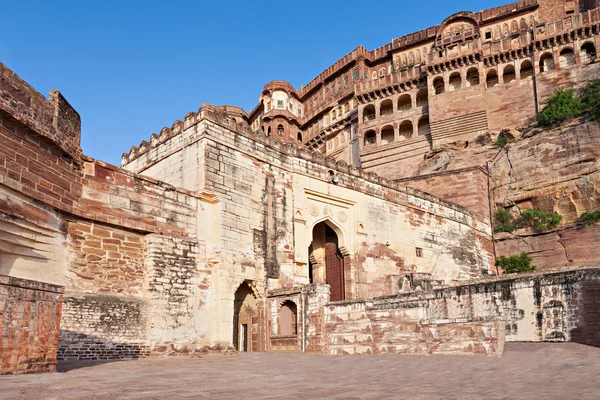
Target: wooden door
x,y
334,270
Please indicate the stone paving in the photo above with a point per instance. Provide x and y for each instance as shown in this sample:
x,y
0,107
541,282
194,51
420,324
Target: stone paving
x,y
527,371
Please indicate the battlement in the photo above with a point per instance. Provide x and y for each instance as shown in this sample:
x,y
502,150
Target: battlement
x,y
53,118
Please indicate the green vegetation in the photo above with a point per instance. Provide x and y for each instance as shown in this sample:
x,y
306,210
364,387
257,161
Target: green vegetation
x,y
504,221
540,220
591,99
500,142
564,105
561,106
590,217
515,264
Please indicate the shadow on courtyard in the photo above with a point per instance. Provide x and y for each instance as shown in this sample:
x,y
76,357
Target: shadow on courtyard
x,y
78,350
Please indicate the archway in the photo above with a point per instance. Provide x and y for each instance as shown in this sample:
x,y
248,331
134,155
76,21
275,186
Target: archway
x,y
288,315
327,261
244,308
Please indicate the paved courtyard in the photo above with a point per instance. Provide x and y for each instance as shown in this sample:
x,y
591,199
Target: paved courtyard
x,y
527,371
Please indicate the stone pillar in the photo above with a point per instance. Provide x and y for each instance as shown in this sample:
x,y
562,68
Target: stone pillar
x,y
315,298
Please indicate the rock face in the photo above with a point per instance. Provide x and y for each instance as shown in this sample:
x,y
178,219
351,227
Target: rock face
x,y
552,170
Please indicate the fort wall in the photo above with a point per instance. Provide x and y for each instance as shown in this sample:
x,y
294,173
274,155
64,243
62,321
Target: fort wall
x,y
29,322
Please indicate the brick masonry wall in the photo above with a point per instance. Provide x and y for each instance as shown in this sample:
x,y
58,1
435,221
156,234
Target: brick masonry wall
x,y
103,327
29,325
467,187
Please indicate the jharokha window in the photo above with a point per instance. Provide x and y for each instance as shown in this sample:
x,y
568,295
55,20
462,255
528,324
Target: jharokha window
x,y
280,130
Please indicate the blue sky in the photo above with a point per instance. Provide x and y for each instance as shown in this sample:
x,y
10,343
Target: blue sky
x,y
131,67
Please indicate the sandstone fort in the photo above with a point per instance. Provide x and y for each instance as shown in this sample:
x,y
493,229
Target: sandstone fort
x,y
356,214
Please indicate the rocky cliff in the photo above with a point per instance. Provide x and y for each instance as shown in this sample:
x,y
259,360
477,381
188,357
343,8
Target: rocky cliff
x,y
552,170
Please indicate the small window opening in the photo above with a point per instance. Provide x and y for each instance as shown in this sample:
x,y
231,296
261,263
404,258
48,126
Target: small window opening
x,y
419,252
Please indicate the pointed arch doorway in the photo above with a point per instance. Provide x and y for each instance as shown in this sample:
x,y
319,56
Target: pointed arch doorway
x,y
326,260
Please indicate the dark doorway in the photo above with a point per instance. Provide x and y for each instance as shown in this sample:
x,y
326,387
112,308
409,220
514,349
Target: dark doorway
x,y
329,267
244,309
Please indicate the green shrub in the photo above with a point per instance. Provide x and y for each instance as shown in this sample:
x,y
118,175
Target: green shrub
x,y
559,107
504,221
515,264
500,142
590,217
591,99
539,219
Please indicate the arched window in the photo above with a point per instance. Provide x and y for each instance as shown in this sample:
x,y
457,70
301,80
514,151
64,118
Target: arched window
x,y
566,59
411,58
455,81
546,62
497,32
404,103
523,24
505,29
299,137
588,52
491,78
288,316
514,27
526,69
473,77
387,134
438,85
369,113
269,131
386,108
370,138
406,130
280,130
508,74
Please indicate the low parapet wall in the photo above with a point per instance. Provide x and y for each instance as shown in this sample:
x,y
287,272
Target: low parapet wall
x,y
360,328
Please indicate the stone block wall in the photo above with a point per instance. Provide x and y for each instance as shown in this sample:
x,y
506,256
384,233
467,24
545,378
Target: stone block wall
x,y
536,306
29,325
584,312
467,187
153,301
254,187
363,327
52,118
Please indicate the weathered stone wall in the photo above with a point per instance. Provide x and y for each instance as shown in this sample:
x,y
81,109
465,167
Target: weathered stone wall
x,y
29,324
104,259
536,306
154,304
584,312
467,187
362,327
52,118
254,186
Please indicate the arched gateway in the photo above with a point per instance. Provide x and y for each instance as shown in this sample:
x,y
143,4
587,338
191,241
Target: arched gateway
x,y
326,259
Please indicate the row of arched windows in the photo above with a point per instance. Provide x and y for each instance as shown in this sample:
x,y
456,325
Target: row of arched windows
x,y
566,59
405,131
403,103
